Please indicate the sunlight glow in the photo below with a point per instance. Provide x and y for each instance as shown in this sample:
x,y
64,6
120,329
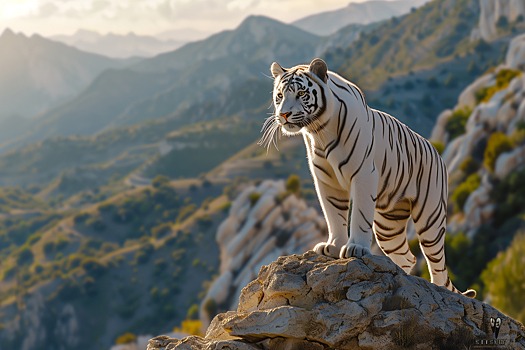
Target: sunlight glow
x,y
148,17
18,8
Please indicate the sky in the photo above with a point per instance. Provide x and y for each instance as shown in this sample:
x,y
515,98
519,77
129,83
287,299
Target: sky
x,y
148,17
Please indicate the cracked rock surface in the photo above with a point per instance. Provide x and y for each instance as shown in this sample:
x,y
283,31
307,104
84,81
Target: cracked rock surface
x,y
315,302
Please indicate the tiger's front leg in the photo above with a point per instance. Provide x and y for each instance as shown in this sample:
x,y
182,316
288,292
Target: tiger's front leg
x,y
335,205
364,195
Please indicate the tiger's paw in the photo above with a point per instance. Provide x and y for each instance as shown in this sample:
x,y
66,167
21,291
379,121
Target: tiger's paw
x,y
327,249
352,250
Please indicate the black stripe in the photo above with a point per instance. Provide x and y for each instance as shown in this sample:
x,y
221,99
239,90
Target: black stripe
x,y
343,163
332,200
395,249
366,219
322,126
350,132
428,244
322,169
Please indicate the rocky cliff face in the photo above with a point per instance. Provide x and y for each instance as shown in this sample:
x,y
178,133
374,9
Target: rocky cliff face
x,y
496,104
315,302
264,223
493,11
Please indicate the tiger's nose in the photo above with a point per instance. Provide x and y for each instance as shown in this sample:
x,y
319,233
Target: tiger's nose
x,y
286,115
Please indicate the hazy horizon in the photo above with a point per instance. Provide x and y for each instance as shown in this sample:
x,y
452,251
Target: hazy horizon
x,y
149,17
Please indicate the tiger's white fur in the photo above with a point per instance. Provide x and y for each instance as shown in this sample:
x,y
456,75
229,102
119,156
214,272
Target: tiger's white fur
x,y
363,156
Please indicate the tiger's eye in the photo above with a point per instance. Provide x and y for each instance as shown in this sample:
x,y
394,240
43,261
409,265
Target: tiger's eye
x,y
301,93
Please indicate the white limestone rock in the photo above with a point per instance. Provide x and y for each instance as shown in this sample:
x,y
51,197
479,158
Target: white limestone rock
x,y
492,10
509,161
467,98
256,234
515,57
439,133
315,302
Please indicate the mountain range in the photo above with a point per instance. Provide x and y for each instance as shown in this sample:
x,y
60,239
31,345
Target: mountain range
x,y
121,46
43,72
182,84
326,23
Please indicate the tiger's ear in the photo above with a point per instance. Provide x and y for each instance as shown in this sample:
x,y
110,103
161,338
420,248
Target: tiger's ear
x,y
319,68
276,69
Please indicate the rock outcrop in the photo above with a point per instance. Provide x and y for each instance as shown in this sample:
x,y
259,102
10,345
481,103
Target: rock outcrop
x,y
492,12
314,302
503,112
264,222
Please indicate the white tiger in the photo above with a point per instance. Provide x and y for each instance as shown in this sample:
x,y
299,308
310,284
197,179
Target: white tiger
x,y
363,156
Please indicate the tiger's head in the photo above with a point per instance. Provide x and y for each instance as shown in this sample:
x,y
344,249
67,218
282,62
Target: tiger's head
x,y
297,95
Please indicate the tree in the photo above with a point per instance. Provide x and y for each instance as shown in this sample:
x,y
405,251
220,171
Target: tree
x,y
293,184
497,144
160,180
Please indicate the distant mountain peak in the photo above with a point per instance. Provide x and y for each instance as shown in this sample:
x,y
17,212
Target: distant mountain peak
x,y
258,20
9,33
329,22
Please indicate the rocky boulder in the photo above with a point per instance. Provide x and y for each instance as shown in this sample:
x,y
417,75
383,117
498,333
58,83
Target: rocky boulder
x,y
265,222
314,302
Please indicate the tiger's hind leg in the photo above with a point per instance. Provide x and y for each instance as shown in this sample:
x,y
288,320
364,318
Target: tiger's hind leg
x,y
390,231
430,225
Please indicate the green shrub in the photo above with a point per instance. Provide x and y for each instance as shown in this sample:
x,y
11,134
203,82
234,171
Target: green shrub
x,y
211,307
49,248
509,196
161,230
159,181
33,239
503,79
81,218
254,198
192,327
126,338
186,212
457,121
439,146
463,191
143,255
497,144
193,312
469,166
38,269
504,279
106,208
25,256
456,245
93,267
73,261
226,206
204,221
293,184
9,273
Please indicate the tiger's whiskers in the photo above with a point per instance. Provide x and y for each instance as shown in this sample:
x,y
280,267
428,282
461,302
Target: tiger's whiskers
x,y
269,129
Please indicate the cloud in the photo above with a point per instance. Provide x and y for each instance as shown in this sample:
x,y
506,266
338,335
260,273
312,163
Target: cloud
x,y
150,16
